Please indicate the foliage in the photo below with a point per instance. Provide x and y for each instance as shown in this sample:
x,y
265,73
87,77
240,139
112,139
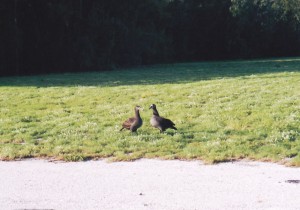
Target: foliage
x,y
223,111
267,27
53,36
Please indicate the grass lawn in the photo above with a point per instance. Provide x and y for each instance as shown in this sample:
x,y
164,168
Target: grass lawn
x,y
223,111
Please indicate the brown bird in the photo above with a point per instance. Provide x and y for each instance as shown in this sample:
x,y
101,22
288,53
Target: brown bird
x,y
159,122
133,123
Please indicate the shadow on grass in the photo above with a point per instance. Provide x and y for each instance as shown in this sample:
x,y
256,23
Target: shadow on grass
x,y
159,74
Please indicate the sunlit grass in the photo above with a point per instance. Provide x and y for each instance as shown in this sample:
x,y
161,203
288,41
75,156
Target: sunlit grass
x,y
223,111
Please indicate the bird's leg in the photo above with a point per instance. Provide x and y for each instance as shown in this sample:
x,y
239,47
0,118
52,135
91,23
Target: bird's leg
x,y
134,132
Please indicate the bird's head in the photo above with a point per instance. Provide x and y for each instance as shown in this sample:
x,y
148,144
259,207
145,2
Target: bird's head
x,y
138,108
153,106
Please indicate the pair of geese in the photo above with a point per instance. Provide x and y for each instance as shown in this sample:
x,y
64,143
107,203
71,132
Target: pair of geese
x,y
156,121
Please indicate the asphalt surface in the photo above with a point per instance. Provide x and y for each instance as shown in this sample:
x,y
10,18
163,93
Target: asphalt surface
x,y
147,184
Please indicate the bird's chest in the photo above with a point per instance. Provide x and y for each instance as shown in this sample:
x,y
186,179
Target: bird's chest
x,y
140,122
153,122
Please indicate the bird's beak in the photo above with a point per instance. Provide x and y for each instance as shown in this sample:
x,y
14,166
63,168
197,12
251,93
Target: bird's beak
x,y
150,107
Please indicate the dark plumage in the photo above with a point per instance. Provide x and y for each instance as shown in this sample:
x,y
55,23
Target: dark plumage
x,y
133,123
159,122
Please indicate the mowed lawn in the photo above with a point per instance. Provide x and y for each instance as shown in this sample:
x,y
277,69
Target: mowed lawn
x,y
223,111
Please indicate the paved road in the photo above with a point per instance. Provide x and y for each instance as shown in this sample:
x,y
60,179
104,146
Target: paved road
x,y
147,184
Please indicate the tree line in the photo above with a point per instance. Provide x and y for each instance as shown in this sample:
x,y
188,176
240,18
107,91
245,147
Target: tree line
x,y
53,36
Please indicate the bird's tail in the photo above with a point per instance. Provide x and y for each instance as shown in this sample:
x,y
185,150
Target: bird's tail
x,y
173,127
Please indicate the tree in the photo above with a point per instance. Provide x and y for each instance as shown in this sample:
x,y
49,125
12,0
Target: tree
x,y
74,35
267,28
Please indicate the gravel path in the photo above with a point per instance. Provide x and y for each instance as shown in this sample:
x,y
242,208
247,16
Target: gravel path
x,y
147,184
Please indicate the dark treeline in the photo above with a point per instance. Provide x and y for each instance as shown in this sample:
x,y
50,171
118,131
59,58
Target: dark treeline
x,y
51,36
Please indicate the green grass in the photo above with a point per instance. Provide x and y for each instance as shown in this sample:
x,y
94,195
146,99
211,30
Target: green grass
x,y
223,111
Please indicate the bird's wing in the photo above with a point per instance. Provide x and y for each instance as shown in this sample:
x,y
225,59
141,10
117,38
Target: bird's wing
x,y
165,122
169,122
127,123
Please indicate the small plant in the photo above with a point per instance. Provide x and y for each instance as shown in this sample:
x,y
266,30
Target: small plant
x,y
290,135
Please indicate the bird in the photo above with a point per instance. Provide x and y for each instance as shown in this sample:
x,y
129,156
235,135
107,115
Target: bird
x,y
159,122
133,123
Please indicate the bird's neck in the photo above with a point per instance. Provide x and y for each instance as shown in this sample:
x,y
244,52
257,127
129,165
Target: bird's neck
x,y
137,114
155,112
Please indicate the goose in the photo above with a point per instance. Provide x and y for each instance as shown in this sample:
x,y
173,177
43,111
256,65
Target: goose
x,y
133,123
159,122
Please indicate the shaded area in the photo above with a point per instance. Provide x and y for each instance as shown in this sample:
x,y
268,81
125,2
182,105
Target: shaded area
x,y
54,36
159,74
